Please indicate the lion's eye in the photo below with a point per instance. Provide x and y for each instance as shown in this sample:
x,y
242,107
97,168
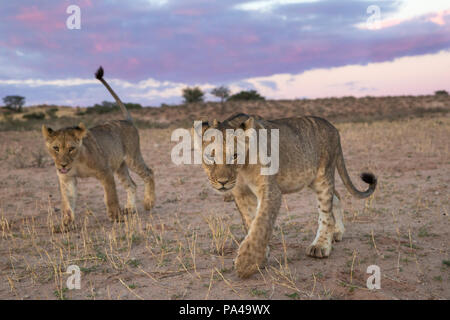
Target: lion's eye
x,y
71,149
56,148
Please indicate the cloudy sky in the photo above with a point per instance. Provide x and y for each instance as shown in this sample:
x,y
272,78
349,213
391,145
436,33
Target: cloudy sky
x,y
285,49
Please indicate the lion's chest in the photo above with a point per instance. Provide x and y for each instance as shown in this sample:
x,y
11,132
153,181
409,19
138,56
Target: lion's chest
x,y
82,170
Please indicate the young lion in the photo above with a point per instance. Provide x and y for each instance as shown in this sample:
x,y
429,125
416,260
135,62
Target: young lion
x,y
309,152
100,152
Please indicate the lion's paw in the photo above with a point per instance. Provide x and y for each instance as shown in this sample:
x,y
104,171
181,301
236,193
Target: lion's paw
x,y
149,203
249,259
337,236
319,250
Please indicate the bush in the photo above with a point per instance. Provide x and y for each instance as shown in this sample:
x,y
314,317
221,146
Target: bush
x,y
246,96
107,107
34,116
221,92
441,93
192,95
51,112
131,106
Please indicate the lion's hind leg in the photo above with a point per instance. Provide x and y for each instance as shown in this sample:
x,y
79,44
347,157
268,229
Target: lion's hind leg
x,y
124,176
138,165
322,244
339,228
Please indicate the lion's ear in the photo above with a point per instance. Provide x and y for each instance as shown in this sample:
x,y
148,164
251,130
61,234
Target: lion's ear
x,y
81,130
249,123
47,132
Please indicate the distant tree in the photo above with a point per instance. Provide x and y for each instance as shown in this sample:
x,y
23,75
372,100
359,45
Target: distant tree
x,y
51,112
246,96
191,95
104,107
34,116
108,106
14,103
221,92
441,93
131,105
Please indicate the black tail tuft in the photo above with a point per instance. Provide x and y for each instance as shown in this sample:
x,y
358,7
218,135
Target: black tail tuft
x,y
99,73
368,178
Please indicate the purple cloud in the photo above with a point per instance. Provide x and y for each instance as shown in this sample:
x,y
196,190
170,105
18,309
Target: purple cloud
x,y
199,41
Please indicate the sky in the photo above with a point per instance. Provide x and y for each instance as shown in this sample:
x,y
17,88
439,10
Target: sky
x,y
285,49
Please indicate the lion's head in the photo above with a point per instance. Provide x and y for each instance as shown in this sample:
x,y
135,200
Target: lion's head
x,y
64,145
221,158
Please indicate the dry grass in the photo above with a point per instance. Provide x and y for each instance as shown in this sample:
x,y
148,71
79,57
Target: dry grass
x,y
186,247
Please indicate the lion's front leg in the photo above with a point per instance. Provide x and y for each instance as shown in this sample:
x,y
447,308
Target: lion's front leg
x,y
252,251
111,199
68,187
246,203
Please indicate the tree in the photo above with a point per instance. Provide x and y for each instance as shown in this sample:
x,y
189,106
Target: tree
x,y
191,95
14,103
221,92
246,95
441,93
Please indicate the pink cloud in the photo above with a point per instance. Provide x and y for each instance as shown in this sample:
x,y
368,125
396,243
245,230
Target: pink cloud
x,y
102,44
38,19
214,41
440,17
249,39
133,62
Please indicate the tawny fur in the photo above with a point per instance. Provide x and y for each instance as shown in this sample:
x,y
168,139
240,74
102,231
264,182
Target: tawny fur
x,y
309,153
100,152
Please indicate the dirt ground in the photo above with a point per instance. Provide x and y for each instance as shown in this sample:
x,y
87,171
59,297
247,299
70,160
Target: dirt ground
x,y
184,248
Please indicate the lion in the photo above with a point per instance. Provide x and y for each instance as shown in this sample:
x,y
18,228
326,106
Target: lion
x,y
309,152
100,152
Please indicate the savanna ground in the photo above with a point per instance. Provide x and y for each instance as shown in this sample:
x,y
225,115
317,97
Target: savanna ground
x,y
184,248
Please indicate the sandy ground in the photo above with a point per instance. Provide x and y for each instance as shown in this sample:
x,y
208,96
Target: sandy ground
x,y
184,248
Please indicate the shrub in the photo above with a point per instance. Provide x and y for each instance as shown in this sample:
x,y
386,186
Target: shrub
x,y
131,105
441,93
221,92
192,95
246,96
34,116
51,112
107,107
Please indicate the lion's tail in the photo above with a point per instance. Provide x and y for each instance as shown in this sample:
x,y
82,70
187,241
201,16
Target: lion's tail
x,y
365,176
126,113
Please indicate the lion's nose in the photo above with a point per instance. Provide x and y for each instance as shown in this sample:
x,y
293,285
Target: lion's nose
x,y
64,165
222,181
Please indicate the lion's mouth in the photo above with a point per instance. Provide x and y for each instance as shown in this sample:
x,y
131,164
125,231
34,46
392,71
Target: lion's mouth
x,y
225,188
63,170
